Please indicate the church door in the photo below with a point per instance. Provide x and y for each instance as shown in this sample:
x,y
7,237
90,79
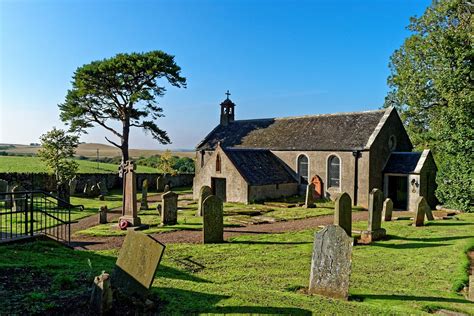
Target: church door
x,y
218,186
318,187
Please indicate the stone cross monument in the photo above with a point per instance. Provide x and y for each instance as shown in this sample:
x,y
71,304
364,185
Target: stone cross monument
x,y
129,207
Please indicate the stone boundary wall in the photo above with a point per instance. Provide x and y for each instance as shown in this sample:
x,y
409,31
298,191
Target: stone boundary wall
x,y
46,182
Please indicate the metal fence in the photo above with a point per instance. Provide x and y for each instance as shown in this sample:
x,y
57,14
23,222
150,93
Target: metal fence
x,y
30,213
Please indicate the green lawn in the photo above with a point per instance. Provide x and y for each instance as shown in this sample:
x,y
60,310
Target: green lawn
x,y
35,165
416,271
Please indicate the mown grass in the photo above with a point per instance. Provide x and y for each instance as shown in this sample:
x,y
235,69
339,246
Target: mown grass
x,y
413,272
35,165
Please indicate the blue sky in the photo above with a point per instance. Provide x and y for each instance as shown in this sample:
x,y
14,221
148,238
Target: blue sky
x,y
277,58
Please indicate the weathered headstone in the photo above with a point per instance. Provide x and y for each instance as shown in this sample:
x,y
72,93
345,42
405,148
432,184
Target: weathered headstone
x,y
204,192
3,186
343,213
331,263
167,188
72,185
374,231
420,211
428,212
160,183
101,296
144,202
103,186
19,200
87,189
309,201
169,208
95,190
213,220
129,205
318,187
103,214
136,265
387,210
158,209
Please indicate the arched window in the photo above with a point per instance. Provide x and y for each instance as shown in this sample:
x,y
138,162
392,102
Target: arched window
x,y
303,167
334,172
218,163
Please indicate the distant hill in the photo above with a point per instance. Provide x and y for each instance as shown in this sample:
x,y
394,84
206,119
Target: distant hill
x,y
90,151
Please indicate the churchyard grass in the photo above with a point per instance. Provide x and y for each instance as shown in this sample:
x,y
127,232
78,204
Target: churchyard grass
x,y
35,165
414,272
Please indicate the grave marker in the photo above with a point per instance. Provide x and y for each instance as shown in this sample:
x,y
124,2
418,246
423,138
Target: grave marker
x,y
129,199
204,192
136,265
343,213
309,201
19,200
72,186
374,231
420,211
169,208
103,214
387,210
144,202
213,220
331,263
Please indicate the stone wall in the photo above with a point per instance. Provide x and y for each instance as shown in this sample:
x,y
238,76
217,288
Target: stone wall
x,y
272,191
46,182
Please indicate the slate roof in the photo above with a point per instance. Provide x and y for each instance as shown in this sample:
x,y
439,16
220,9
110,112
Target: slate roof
x,y
260,166
403,163
344,131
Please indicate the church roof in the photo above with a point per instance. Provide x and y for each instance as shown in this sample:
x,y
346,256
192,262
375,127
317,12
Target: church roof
x,y
260,166
402,162
344,131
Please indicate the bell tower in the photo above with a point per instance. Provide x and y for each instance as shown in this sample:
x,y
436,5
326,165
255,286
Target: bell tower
x,y
227,111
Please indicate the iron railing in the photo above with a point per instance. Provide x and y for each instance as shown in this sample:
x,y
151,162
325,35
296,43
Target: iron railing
x,y
30,213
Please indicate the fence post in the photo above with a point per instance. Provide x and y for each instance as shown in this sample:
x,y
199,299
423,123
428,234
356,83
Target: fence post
x,y
31,213
26,214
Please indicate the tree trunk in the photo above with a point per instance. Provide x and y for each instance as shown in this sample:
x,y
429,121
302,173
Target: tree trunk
x,y
125,135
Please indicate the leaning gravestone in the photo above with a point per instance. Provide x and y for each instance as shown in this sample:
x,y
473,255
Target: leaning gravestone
x,y
144,202
101,296
387,210
331,263
374,231
420,211
103,214
204,192
428,212
309,201
19,200
136,265
103,186
160,183
343,212
213,220
72,186
169,208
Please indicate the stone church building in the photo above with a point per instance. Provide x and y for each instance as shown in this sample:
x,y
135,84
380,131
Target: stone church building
x,y
253,160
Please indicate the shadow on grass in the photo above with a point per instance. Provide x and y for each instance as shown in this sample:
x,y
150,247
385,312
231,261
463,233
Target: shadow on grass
x,y
172,273
410,298
457,223
246,231
435,239
414,245
257,242
183,302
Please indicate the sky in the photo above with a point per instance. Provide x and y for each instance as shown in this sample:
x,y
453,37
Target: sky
x,y
278,58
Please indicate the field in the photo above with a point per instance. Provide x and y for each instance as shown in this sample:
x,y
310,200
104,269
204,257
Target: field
x,y
90,151
417,271
35,165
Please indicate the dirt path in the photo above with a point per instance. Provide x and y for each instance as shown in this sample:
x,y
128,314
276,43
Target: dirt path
x,y
186,236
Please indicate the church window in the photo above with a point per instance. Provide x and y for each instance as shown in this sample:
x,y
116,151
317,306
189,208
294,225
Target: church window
x,y
303,170
218,164
334,172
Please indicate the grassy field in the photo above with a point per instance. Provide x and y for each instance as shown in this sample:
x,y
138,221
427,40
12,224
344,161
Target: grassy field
x,y
416,271
90,151
35,165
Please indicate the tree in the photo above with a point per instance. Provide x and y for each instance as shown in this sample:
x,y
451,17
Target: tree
x,y
57,152
121,89
431,84
167,162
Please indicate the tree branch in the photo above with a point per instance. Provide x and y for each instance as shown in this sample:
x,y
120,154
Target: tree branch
x,y
115,144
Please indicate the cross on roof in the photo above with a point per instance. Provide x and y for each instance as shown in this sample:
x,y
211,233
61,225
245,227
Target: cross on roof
x,y
227,94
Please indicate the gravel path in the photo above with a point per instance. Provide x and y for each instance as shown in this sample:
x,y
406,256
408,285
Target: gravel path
x,y
186,236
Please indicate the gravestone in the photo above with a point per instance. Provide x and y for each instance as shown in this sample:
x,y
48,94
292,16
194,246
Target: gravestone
x,y
87,189
213,220
103,186
331,263
19,200
95,190
428,212
129,199
101,296
374,231
136,265
72,186
204,192
144,202
318,187
387,210
158,209
160,183
167,188
309,201
343,213
4,189
169,208
420,211
103,214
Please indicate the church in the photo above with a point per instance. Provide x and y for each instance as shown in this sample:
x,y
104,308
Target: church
x,y
259,159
